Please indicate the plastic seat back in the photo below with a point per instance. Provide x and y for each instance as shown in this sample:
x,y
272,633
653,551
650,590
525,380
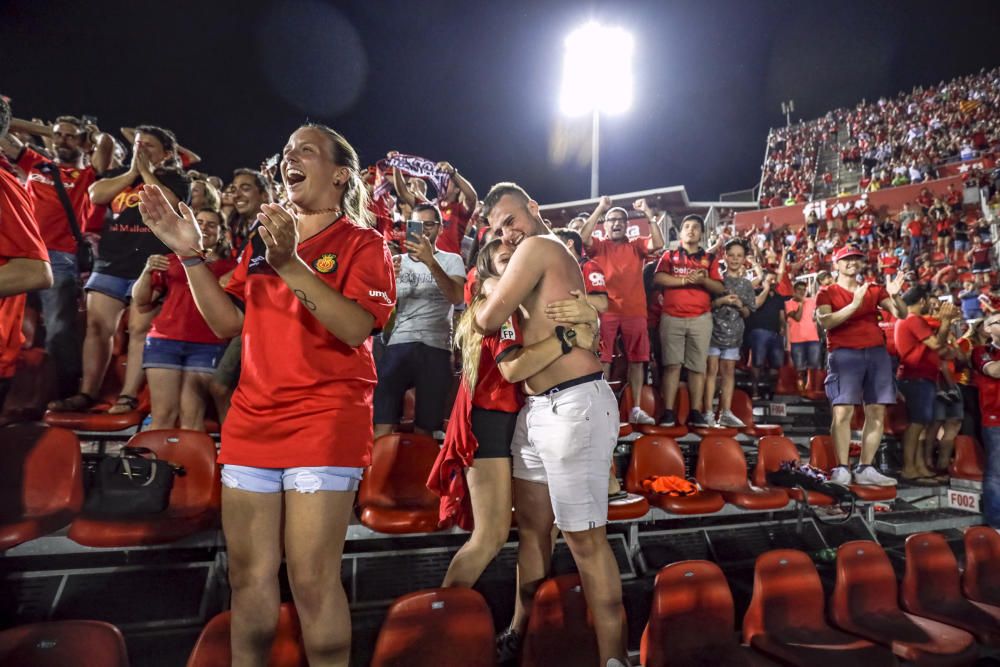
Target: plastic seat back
x,y
199,490
788,380
772,451
61,643
441,627
981,579
653,455
721,464
560,629
866,583
743,406
397,477
41,472
970,460
213,648
931,578
786,593
691,616
821,453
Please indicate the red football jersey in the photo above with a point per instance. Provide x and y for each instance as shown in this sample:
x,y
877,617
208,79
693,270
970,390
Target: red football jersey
x,y
49,212
916,360
493,392
989,388
19,239
861,330
593,276
622,262
454,219
304,397
179,318
687,301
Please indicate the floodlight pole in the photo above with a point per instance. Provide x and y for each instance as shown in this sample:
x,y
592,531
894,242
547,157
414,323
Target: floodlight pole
x,y
595,148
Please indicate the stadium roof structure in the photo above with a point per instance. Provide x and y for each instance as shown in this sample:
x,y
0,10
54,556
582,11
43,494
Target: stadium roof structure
x,y
673,199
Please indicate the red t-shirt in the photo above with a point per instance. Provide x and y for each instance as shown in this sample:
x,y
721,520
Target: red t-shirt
x,y
686,301
470,283
989,388
49,212
593,276
621,262
454,219
887,323
916,360
179,318
493,392
861,330
19,239
916,227
304,397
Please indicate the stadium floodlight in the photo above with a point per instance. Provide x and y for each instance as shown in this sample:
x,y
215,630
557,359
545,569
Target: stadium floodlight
x,y
597,78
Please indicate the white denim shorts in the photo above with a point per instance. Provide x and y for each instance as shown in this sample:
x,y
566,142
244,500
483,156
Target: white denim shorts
x,y
303,480
565,440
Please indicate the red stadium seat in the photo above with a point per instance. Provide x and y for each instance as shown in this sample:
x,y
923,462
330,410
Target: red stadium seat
x,y
931,588
440,627
660,456
561,628
97,419
981,577
633,506
194,500
31,388
788,380
213,649
896,419
743,408
815,389
41,481
652,400
822,456
785,617
393,497
970,460
61,643
864,603
723,468
409,410
772,451
691,620
624,429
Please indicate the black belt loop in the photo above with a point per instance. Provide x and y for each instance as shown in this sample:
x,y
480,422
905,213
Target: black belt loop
x,y
568,384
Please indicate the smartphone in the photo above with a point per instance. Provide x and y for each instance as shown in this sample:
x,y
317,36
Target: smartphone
x,y
414,230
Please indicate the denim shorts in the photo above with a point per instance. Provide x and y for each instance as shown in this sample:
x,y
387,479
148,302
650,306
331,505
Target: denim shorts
x,y
806,355
860,377
919,396
767,348
303,480
945,411
113,286
727,353
180,355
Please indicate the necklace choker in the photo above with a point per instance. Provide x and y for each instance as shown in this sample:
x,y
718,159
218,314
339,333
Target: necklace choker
x,y
322,211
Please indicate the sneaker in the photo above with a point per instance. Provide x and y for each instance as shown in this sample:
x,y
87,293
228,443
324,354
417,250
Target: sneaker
x,y
639,416
668,418
615,662
508,646
710,420
729,420
869,476
841,475
697,419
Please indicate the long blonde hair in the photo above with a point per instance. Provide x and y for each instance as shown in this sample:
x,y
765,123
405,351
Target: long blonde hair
x,y
468,340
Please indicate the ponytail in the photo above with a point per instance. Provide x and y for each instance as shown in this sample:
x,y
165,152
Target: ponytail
x,y
357,201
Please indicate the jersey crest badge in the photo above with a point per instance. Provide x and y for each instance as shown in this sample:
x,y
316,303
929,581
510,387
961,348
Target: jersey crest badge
x,y
326,263
507,331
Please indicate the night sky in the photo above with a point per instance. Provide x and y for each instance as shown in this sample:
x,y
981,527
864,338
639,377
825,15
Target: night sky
x,y
476,83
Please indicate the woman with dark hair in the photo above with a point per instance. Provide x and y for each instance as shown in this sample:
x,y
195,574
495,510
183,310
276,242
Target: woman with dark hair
x,y
312,285
181,350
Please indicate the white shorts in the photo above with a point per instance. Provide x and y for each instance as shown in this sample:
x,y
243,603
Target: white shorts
x,y
565,440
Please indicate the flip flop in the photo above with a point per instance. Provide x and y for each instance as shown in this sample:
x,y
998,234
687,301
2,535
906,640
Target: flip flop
x,y
75,403
124,404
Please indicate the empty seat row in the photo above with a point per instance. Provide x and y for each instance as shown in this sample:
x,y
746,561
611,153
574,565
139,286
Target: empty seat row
x,y
41,484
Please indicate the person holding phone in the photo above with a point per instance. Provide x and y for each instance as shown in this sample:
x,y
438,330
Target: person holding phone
x,y
429,283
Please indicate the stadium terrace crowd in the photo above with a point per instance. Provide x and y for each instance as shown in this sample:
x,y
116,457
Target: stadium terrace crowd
x,y
889,302
894,141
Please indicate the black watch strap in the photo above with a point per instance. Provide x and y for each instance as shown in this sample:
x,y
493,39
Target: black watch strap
x,y
567,345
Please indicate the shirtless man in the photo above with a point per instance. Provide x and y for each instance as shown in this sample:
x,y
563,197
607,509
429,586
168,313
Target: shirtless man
x,y
569,424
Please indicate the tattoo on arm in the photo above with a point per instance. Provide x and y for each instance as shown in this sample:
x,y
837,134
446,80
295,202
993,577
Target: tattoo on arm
x,y
304,299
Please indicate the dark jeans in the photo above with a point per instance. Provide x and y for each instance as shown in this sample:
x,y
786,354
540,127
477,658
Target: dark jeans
x,y
60,303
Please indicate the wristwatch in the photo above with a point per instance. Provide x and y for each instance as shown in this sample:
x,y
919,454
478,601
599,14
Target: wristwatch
x,y
567,337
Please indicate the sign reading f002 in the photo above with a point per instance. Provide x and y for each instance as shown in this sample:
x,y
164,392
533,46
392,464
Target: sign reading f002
x,y
963,500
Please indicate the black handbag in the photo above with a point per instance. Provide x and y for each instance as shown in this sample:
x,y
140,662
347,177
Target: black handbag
x,y
84,252
131,484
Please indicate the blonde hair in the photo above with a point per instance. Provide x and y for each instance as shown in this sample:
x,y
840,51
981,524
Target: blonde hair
x,y
468,340
357,201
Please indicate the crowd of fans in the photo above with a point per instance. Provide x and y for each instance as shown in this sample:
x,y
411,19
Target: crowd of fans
x,y
873,296
893,141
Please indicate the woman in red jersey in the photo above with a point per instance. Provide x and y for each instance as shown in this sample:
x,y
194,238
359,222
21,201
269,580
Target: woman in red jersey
x,y
181,351
483,417
312,285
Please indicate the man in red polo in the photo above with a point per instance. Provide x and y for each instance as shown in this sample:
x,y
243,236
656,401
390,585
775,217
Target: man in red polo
x,y
689,279
24,262
986,364
621,259
859,371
